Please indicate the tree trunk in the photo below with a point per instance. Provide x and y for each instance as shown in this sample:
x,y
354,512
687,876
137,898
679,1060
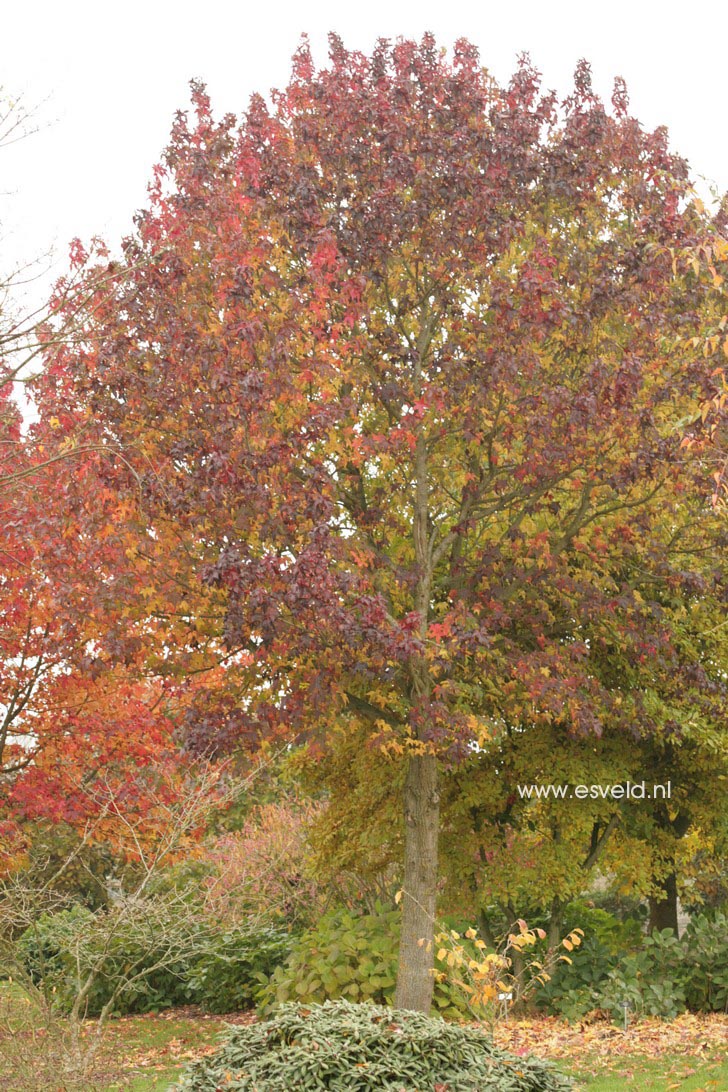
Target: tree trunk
x,y
663,909
415,979
415,972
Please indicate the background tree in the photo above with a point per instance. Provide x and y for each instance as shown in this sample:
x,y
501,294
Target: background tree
x,y
389,367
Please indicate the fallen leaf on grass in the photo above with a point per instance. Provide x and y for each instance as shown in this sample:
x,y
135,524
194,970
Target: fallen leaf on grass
x,y
691,1035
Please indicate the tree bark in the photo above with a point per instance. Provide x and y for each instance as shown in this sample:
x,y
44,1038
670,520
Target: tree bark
x,y
415,978
663,909
415,972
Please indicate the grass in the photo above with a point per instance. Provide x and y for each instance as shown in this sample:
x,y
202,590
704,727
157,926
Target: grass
x,y
635,1073
138,1052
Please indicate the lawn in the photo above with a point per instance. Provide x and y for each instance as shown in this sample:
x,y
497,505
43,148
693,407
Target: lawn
x,y
689,1053
145,1053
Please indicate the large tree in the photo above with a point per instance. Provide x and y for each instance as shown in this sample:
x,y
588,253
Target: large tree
x,y
391,368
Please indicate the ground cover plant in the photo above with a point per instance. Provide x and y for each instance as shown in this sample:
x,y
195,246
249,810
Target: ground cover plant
x,y
365,1048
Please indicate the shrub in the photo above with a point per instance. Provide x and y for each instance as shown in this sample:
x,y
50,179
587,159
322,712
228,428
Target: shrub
x,y
650,981
222,972
619,934
663,978
61,949
705,965
364,1048
262,868
44,948
573,989
347,954
668,975
232,966
71,869
353,955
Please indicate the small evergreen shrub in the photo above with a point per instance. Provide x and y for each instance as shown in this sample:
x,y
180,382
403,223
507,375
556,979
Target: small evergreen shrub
x,y
669,975
344,1047
650,981
574,988
617,934
44,949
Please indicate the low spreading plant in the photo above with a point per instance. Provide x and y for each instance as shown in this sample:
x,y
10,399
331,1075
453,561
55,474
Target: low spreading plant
x,y
130,961
342,1046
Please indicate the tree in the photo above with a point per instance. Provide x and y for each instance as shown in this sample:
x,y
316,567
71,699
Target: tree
x,y
709,263
391,365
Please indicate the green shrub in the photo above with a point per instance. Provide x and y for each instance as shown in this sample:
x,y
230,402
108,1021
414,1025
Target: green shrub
x,y
650,981
222,972
231,967
352,955
61,862
705,965
347,954
669,976
573,989
663,978
617,934
60,950
44,948
341,1046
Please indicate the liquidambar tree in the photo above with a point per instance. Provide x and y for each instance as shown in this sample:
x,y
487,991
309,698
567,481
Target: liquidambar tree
x,y
392,363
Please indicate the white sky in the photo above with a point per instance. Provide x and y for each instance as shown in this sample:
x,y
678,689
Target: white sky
x,y
108,76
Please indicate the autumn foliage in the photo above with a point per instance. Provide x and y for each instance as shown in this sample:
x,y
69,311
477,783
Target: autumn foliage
x,y
387,399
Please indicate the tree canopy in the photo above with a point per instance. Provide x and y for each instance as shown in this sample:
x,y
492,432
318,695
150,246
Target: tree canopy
x,y
399,371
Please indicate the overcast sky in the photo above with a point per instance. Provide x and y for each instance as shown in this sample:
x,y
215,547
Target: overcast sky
x,y
106,79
